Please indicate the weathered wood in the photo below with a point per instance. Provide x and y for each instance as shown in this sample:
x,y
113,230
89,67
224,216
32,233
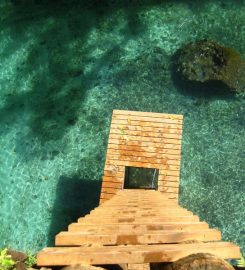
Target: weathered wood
x,y
132,253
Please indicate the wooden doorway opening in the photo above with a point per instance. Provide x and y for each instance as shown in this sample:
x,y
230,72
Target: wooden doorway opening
x,y
140,178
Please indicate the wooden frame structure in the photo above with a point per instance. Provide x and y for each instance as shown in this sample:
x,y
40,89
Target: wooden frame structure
x,y
138,226
140,139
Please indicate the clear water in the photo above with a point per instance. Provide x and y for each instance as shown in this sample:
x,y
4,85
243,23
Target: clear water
x,y
65,65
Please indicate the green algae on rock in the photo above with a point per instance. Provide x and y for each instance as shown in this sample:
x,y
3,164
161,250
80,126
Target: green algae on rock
x,y
206,61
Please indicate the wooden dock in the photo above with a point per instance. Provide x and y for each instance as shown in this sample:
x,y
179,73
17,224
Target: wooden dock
x,y
138,226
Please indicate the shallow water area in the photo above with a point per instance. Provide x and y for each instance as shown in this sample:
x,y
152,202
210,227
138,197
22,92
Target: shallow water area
x,y
65,65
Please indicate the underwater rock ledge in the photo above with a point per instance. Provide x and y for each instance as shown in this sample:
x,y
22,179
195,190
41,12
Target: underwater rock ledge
x,y
206,61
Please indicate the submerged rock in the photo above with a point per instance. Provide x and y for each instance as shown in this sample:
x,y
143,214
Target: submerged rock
x,y
206,61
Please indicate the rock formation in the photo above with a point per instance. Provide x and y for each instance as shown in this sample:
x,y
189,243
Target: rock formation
x,y
206,61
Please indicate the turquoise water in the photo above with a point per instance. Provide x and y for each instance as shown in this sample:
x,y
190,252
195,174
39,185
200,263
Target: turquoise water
x,y
65,65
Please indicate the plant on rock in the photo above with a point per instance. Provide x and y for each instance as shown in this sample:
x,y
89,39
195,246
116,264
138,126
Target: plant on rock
x,y
6,261
30,261
241,262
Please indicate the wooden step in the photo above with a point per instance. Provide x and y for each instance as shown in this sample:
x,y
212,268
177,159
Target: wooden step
x,y
132,253
99,220
78,239
139,227
151,114
136,210
128,213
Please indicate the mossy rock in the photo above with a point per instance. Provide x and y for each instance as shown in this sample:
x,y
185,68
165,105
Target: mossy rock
x,y
206,61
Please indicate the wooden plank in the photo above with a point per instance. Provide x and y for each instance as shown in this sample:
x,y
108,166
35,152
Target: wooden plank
x,y
145,118
163,184
132,254
106,195
147,149
124,130
117,185
165,173
116,220
126,152
140,207
144,203
126,209
109,172
170,168
139,228
160,145
115,169
143,159
144,128
168,189
113,179
130,238
135,213
167,124
162,178
110,189
149,114
144,139
173,196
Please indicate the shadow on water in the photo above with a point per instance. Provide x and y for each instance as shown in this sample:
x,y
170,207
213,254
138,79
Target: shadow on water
x,y
57,78
54,72
75,197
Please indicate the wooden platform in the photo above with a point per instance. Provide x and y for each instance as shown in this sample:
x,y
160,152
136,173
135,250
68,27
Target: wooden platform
x,y
140,139
138,226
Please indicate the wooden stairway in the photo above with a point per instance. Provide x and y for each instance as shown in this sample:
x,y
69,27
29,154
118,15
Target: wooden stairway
x,y
138,226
